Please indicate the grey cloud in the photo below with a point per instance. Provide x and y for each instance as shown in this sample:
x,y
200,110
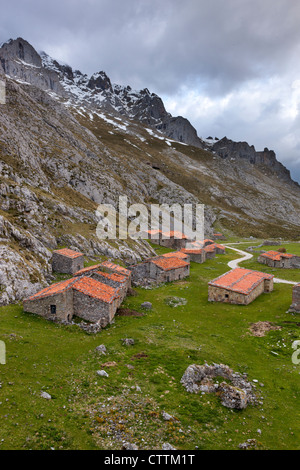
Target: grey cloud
x,y
215,47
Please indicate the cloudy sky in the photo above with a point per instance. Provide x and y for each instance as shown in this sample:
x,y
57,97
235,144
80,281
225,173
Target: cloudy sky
x,y
230,66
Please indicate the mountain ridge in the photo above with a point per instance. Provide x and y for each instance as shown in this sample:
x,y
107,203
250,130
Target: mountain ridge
x,y
61,156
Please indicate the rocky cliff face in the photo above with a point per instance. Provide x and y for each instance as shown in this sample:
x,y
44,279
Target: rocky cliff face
x,y
68,142
227,148
20,60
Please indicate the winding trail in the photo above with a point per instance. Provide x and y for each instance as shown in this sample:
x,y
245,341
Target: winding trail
x,y
245,255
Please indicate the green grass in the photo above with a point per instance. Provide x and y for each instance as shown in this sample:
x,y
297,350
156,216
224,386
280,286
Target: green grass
x,y
62,361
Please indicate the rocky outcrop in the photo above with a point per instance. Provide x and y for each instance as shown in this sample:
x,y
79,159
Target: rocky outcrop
x,y
236,394
179,128
20,60
229,149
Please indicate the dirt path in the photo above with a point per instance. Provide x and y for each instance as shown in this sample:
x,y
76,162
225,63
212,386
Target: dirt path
x,y
245,255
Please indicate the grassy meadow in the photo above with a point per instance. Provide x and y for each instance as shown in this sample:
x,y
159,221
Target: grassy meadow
x,y
88,411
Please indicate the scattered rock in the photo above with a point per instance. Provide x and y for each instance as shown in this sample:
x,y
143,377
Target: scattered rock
x,y
249,444
109,364
232,397
90,328
101,349
129,446
238,394
167,417
128,341
46,396
102,373
175,301
146,305
167,446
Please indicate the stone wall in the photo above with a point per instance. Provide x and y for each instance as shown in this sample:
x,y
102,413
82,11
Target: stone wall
x,y
122,286
93,310
173,274
64,264
217,294
197,257
62,301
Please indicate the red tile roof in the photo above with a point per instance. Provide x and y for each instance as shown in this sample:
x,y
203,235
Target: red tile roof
x,y
113,276
69,253
87,270
176,254
276,255
176,234
96,289
195,251
240,280
217,245
116,267
167,264
209,248
54,289
86,285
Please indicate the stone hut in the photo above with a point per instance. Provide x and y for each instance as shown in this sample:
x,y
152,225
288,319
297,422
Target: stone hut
x,y
210,251
82,297
67,261
177,254
207,242
219,236
220,249
295,307
276,259
109,267
117,281
239,286
160,270
197,255
170,239
173,239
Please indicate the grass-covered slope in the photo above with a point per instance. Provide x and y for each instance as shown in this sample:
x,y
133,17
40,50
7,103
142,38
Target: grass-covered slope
x,y
92,412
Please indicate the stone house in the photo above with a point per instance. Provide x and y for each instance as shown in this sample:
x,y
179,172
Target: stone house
x,y
177,254
295,307
207,242
117,281
276,259
210,251
82,297
219,236
169,239
67,261
160,269
109,267
239,286
173,239
197,255
220,249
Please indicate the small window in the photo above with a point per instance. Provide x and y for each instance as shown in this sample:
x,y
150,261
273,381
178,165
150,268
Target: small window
x,y
53,309
226,296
